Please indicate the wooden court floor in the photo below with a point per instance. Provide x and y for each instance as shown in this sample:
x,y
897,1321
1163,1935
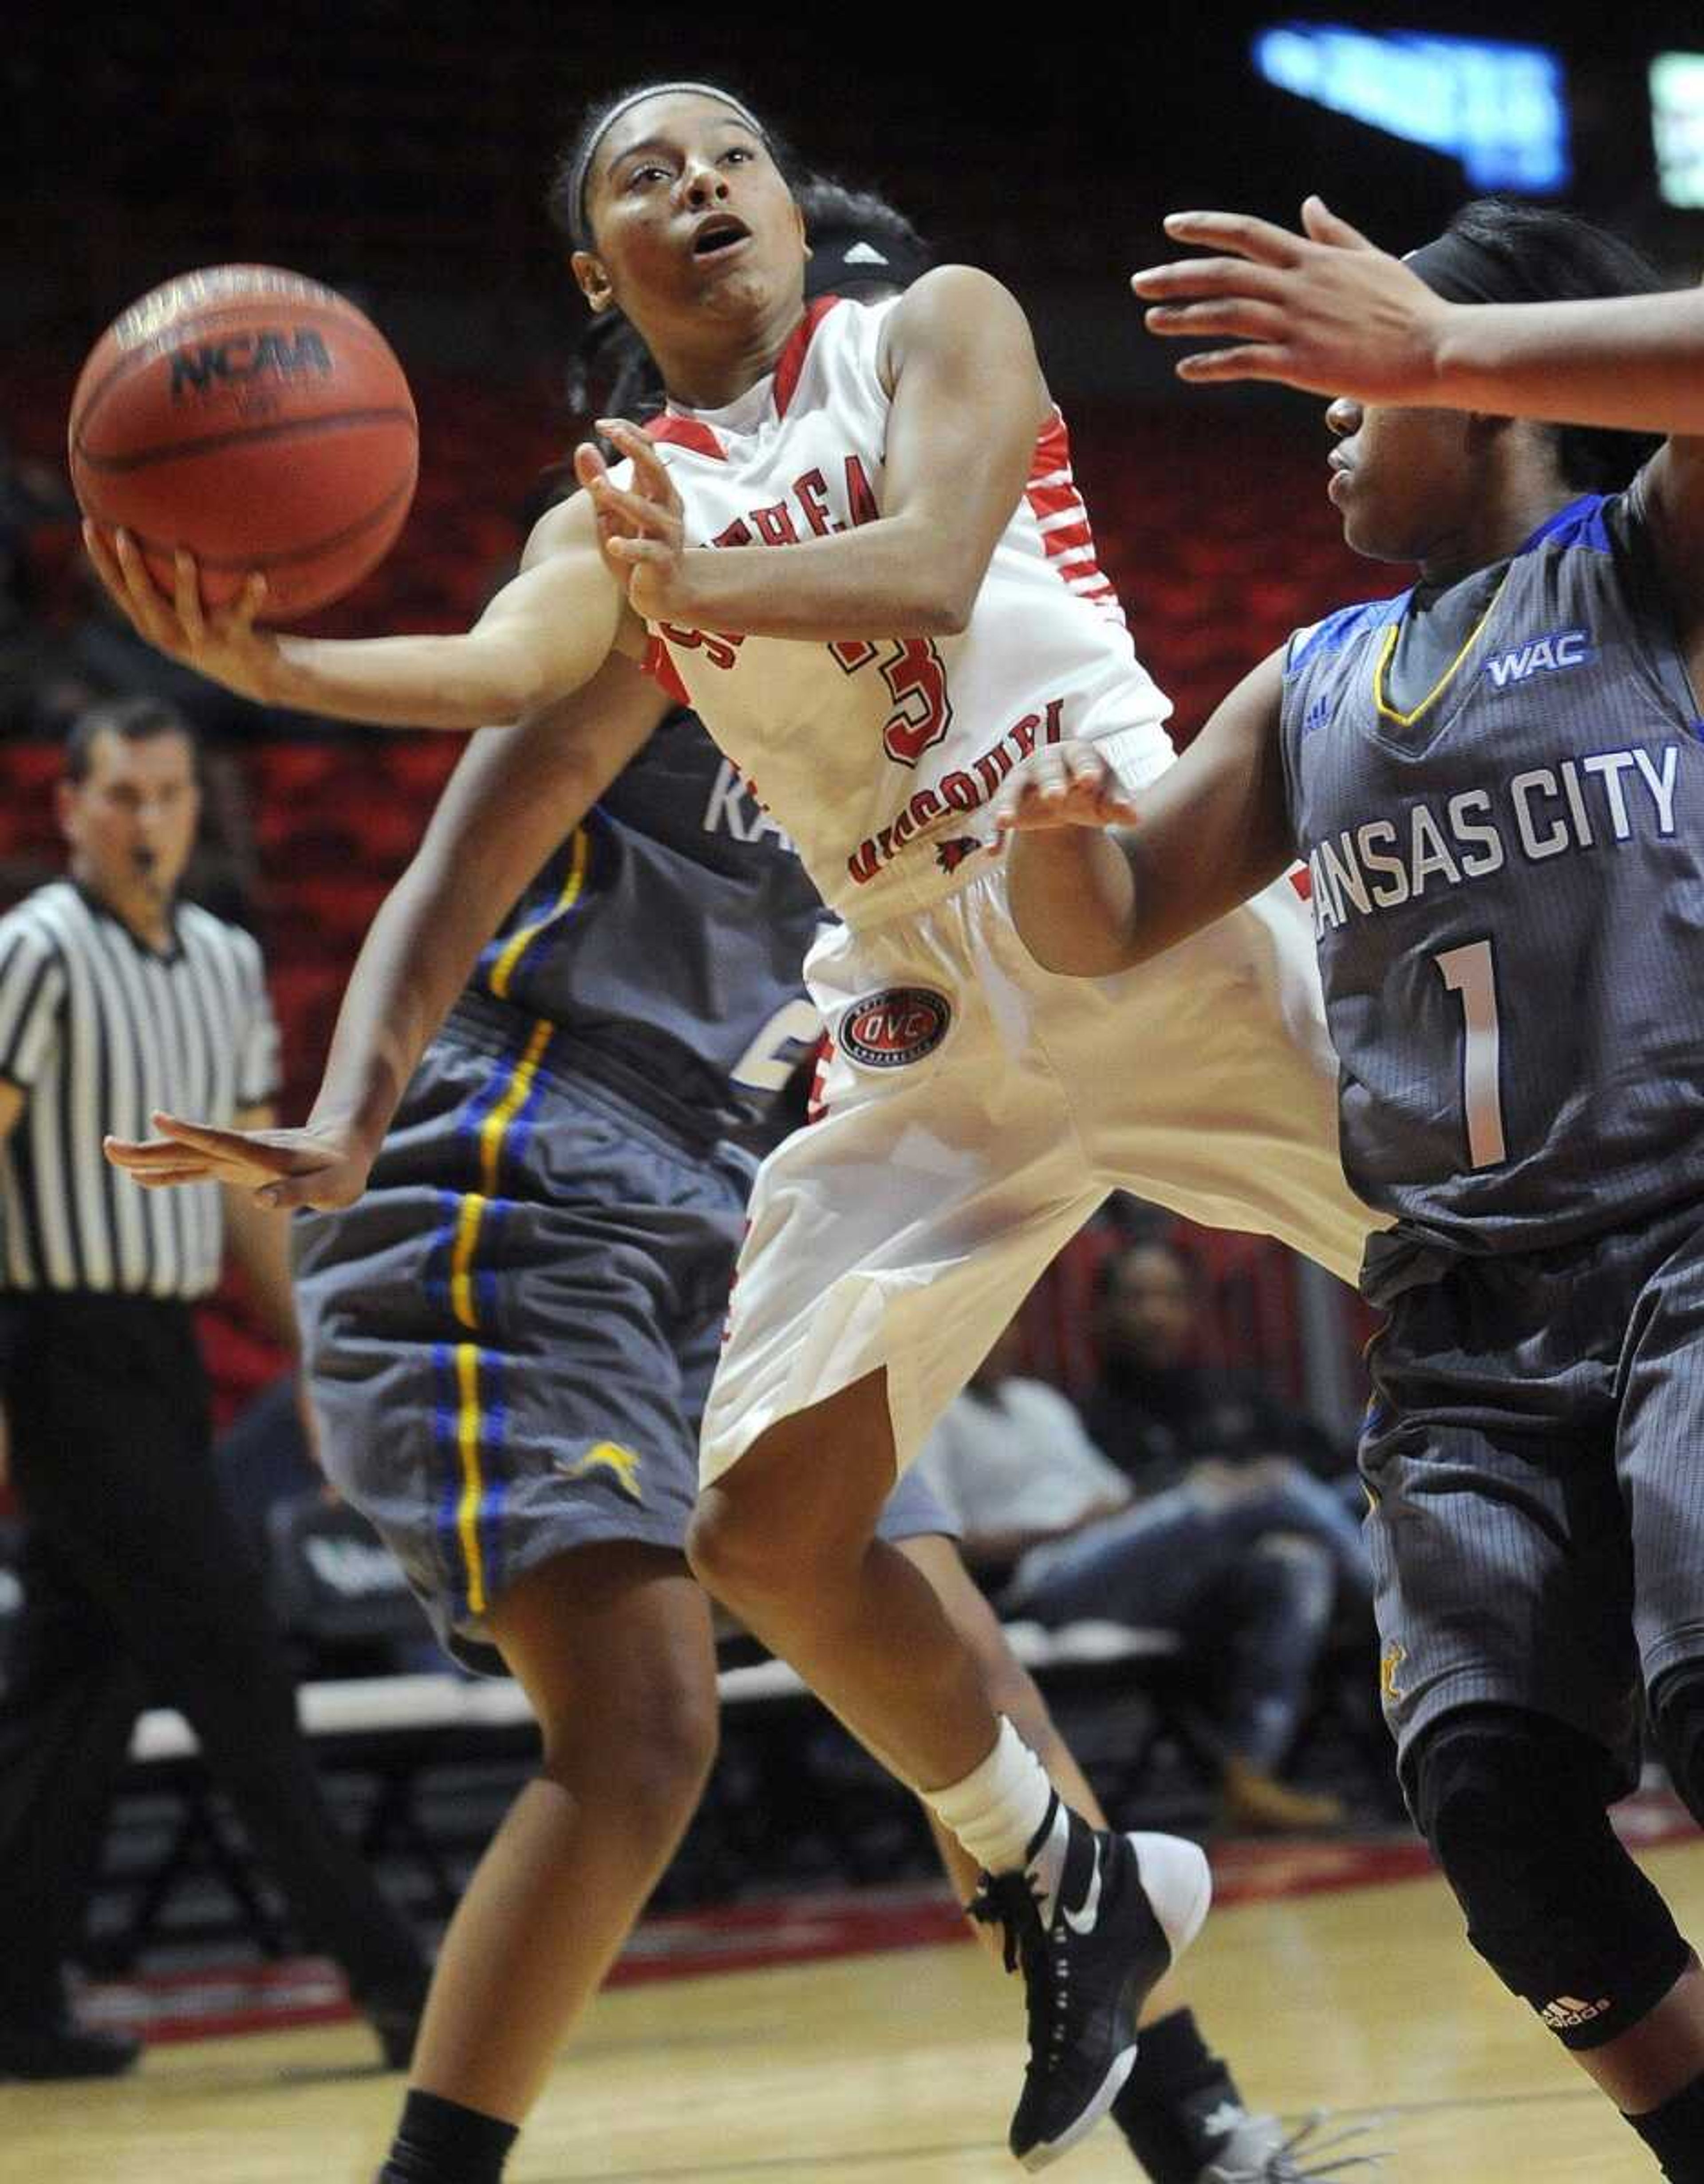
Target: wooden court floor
x,y
903,2067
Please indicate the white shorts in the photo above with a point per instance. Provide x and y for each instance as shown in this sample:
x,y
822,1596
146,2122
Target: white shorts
x,y
979,1108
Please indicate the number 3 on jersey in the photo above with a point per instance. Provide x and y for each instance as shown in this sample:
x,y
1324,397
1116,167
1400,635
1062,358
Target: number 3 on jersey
x,y
1469,971
916,677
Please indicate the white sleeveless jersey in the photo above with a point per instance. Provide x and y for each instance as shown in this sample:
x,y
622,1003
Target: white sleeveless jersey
x,y
879,758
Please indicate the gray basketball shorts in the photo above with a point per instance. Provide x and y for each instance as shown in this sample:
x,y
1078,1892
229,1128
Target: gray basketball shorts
x,y
510,1337
1534,1457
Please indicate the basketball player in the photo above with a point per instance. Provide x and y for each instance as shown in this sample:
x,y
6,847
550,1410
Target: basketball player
x,y
556,1170
1497,780
936,614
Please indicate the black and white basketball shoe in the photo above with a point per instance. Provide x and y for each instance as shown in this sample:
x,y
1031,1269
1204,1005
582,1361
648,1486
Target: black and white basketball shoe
x,y
1094,1920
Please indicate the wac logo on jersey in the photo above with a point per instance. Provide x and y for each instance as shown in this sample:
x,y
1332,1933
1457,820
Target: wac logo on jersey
x,y
900,1024
1560,649
212,366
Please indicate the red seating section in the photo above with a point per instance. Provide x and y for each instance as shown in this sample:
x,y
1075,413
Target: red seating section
x,y
1214,525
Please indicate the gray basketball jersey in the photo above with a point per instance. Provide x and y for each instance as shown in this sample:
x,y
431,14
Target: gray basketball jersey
x,y
665,937
1506,859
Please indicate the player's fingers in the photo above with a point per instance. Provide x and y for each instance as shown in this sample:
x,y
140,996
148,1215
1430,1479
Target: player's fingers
x,y
1049,780
103,556
204,1139
647,517
651,472
165,1179
1044,795
589,465
1324,225
1182,280
1239,232
1021,808
1242,316
657,552
186,598
141,596
140,1154
238,618
1252,360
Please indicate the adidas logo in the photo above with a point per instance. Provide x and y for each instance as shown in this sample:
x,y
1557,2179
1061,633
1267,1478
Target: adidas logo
x,y
864,254
1567,2010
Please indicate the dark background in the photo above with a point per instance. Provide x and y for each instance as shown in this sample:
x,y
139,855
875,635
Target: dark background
x,y
401,147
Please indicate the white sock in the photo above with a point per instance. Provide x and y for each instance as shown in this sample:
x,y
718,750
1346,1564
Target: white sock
x,y
998,1809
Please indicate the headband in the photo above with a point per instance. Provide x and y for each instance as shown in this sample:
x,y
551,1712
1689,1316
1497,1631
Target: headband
x,y
582,167
1461,271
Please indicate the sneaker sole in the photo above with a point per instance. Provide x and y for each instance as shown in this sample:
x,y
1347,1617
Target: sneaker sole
x,y
1179,1885
1043,2156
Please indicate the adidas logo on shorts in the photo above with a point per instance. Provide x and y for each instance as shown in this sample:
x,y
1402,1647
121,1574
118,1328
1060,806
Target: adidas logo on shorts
x,y
1567,2011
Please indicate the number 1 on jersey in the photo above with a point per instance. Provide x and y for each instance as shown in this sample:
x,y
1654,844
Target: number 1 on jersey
x,y
1469,972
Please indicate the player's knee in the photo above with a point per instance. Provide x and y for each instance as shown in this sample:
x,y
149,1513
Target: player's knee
x,y
1513,1805
1677,1716
648,1756
724,1549
760,1541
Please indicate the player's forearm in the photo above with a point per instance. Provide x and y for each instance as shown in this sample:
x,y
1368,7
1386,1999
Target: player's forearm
x,y
898,577
417,955
517,793
1634,363
259,1240
1074,900
451,682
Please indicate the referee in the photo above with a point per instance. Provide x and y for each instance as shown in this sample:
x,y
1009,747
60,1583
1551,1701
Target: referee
x,y
117,998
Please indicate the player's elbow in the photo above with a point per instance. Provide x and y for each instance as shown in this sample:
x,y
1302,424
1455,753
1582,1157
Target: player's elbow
x,y
926,607
939,609
951,614
501,680
936,579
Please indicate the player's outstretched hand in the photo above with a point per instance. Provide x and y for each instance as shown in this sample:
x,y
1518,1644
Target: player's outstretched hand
x,y
319,1168
641,526
1068,784
220,642
1325,311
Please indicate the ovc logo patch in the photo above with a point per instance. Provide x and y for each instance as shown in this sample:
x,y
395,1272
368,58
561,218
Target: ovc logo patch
x,y
898,1025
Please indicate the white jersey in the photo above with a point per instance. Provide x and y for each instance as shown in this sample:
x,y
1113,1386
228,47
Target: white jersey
x,y
877,758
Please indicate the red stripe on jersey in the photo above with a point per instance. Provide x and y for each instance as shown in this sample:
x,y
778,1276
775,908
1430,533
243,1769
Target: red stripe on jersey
x,y
1052,499
792,361
686,432
1052,491
1302,880
662,669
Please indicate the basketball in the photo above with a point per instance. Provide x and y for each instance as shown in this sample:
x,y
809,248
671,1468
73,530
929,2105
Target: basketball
x,y
255,418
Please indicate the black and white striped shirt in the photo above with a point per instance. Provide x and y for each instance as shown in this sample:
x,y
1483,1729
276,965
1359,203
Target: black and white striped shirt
x,y
99,1029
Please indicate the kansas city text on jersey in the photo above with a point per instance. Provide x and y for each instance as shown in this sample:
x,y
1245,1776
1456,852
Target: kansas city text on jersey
x,y
1545,811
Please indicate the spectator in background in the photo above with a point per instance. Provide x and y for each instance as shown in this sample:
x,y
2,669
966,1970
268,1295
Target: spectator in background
x,y
1061,1536
117,999
1158,1413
